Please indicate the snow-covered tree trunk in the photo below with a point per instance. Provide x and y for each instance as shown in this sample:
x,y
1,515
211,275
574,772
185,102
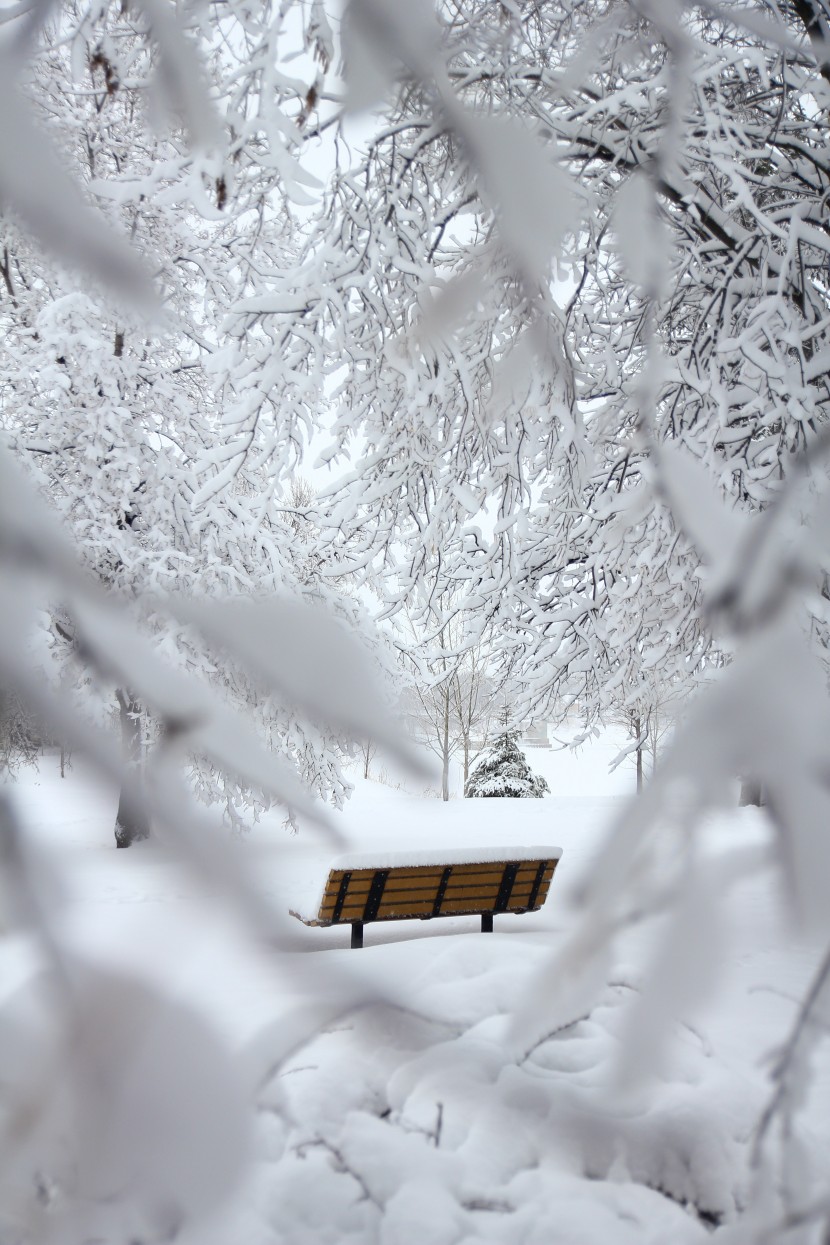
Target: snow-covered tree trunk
x,y
131,824
445,756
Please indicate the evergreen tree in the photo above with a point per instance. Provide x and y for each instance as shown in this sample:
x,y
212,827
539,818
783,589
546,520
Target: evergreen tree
x,y
503,771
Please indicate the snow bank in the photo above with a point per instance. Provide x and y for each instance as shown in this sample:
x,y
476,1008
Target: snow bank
x,y
411,1116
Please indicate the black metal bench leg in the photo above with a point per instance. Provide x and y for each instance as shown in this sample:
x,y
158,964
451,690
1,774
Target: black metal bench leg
x,y
357,933
486,922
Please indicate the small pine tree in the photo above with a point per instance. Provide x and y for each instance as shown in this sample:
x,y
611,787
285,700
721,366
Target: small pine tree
x,y
503,771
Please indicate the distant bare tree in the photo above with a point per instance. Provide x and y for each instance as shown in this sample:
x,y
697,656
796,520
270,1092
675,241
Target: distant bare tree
x,y
19,739
474,698
368,748
454,693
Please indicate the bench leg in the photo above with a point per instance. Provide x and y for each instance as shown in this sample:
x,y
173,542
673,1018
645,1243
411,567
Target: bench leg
x,y
486,922
357,933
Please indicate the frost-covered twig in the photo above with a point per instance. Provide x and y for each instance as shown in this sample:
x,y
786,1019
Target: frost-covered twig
x,y
790,1067
340,1164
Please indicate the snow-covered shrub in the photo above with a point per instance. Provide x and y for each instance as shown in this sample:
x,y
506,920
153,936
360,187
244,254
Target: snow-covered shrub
x,y
503,771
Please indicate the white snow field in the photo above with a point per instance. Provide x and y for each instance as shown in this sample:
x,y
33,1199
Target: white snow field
x,y
397,1100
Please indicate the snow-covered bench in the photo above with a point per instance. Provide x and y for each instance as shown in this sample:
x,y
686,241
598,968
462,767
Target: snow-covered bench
x,y
406,886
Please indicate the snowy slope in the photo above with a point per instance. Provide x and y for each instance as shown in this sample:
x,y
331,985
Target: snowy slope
x,y
421,1115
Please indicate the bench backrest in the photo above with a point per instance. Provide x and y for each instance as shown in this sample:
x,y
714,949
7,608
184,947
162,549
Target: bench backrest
x,y
407,892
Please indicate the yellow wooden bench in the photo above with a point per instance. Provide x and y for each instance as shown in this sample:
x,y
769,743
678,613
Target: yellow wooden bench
x,y
421,886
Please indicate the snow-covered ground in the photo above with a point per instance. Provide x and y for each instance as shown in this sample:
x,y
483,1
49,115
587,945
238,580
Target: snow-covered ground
x,y
396,1099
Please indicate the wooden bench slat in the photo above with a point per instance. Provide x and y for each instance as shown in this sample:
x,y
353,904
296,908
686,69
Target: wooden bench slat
x,y
521,896
403,871
525,889
366,875
424,877
453,888
425,907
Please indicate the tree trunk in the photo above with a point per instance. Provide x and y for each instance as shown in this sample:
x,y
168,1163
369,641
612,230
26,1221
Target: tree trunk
x,y
466,760
445,752
638,733
63,761
751,793
131,824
